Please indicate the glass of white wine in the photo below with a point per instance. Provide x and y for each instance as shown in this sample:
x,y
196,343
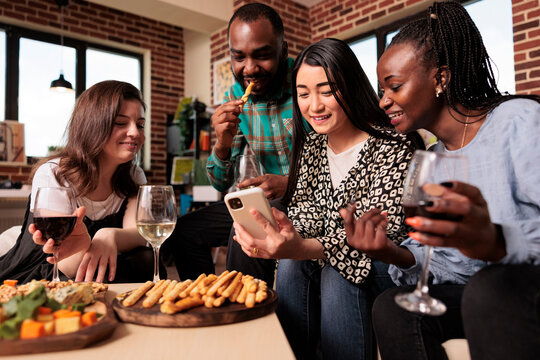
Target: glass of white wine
x,y
156,217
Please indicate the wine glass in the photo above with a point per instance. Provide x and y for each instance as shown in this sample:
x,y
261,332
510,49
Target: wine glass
x,y
156,217
427,169
246,167
54,216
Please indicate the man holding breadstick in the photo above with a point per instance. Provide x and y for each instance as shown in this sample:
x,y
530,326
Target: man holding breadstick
x,y
256,114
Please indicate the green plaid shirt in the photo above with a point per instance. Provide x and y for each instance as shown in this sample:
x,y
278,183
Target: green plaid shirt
x,y
266,127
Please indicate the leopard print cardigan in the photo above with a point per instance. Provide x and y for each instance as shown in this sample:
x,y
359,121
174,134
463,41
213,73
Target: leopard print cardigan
x,y
375,181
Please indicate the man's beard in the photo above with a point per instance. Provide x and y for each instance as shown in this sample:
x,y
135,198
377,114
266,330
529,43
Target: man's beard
x,y
274,86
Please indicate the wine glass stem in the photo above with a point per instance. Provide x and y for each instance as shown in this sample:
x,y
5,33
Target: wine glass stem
x,y
156,263
422,285
56,276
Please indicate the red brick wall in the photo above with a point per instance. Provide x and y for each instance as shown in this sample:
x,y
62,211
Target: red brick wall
x,y
96,21
526,19
295,21
332,17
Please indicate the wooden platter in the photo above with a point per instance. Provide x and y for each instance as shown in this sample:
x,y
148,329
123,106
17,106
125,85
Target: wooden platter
x,y
200,316
101,330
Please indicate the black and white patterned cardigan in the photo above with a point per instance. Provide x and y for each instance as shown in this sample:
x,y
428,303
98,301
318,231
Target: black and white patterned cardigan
x,y
375,181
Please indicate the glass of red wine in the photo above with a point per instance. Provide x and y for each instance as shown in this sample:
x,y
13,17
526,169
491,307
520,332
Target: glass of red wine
x,y
54,216
426,171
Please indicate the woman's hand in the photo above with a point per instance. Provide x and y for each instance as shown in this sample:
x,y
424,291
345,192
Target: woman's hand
x,y
472,231
368,234
281,242
101,254
79,239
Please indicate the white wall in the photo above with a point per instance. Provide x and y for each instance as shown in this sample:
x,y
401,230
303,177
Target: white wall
x,y
197,66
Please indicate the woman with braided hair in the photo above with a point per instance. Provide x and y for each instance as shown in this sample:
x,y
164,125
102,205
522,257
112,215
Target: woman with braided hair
x,y
436,75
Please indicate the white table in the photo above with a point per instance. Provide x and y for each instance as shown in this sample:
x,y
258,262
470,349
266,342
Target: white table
x,y
262,338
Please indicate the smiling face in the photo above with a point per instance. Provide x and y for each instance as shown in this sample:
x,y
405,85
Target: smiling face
x,y
409,89
256,53
127,135
318,105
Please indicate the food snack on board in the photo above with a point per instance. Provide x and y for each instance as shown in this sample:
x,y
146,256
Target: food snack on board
x,y
245,97
10,288
42,308
210,291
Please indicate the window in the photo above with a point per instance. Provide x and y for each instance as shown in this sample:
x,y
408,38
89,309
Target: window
x,y
105,65
2,77
366,52
44,113
494,20
30,60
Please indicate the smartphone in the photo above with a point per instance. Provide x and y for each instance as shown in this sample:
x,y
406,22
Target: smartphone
x,y
241,202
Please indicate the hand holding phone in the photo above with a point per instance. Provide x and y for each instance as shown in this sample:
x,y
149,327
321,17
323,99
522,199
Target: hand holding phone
x,y
241,202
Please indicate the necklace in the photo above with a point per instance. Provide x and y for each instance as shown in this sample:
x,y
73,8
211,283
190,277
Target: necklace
x,y
464,131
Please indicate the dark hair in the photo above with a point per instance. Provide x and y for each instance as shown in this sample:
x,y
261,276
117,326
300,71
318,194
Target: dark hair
x,y
350,87
88,130
252,12
447,36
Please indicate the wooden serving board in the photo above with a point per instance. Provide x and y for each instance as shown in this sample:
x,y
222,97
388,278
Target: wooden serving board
x,y
101,330
199,316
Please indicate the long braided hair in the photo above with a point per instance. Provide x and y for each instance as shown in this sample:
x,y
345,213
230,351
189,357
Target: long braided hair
x,y
447,36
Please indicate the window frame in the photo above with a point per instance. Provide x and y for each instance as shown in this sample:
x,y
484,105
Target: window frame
x,y
13,35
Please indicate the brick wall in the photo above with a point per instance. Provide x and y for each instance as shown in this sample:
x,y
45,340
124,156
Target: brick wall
x,y
295,21
332,17
526,20
99,22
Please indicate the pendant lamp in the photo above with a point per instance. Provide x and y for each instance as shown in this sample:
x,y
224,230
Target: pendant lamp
x,y
61,84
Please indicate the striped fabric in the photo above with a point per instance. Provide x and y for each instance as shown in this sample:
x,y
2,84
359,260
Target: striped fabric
x,y
266,127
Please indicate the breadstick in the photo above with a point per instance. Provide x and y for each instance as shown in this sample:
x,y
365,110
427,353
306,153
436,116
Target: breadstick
x,y
157,286
250,299
251,284
181,286
222,288
169,288
219,301
236,292
232,286
154,296
209,301
168,307
242,296
203,286
246,94
215,286
262,292
137,294
186,292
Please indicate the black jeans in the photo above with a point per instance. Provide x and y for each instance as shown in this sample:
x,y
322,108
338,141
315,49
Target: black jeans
x,y
501,312
198,231
409,336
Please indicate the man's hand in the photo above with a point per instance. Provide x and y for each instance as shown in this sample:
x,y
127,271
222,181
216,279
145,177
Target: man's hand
x,y
274,186
225,121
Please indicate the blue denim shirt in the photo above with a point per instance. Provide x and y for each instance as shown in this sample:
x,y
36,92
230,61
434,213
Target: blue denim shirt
x,y
504,159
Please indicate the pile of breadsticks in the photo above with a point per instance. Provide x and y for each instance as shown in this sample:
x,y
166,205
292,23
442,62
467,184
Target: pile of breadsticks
x,y
210,290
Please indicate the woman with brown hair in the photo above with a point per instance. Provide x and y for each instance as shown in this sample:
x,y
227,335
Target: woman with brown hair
x,y
105,132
